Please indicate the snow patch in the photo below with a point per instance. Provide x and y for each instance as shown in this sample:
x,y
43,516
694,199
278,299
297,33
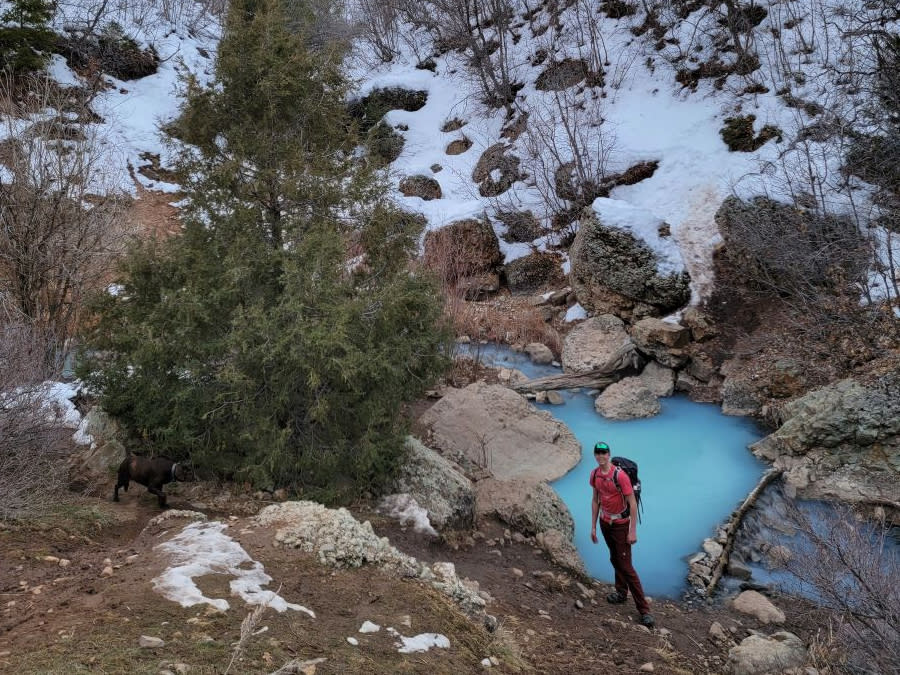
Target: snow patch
x,y
204,548
419,643
406,509
575,313
369,627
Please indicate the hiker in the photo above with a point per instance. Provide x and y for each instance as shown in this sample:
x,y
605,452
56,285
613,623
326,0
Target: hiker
x,y
614,503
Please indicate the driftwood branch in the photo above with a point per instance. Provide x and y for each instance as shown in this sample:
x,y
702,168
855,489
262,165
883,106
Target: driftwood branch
x,y
624,359
734,523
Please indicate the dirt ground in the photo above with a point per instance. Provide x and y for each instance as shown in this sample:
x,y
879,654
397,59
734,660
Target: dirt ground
x,y
75,619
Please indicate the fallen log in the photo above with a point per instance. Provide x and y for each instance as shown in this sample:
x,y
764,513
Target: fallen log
x,y
624,360
734,523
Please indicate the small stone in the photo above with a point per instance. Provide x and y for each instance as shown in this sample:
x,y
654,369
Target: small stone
x,y
516,572
50,559
37,590
353,641
406,621
494,660
149,642
107,562
486,663
579,604
647,668
63,562
181,668
716,631
107,571
665,632
5,653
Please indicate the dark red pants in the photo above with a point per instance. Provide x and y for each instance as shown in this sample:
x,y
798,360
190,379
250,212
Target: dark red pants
x,y
616,537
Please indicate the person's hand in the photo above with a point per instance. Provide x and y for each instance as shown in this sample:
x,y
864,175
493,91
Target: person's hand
x,y
594,536
632,537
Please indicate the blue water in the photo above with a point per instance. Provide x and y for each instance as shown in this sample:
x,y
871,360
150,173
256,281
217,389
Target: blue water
x,y
695,468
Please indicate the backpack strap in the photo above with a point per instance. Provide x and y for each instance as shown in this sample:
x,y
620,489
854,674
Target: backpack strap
x,y
615,477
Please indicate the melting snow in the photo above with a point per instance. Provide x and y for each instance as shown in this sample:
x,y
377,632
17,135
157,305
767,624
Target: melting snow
x,y
204,548
421,643
575,313
369,627
407,510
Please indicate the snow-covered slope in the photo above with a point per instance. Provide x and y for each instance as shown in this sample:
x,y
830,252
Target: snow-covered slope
x,y
643,112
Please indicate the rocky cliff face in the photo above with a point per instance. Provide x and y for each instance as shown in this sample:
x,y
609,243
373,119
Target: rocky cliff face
x,y
841,441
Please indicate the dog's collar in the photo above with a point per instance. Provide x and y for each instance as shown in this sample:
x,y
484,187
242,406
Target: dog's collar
x,y
174,464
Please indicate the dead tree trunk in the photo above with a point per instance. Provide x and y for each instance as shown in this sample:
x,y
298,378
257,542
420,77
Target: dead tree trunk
x,y
624,360
734,523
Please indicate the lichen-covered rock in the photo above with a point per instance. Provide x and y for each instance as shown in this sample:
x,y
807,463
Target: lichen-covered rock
x,y
526,506
593,342
534,271
494,428
339,540
627,399
521,226
759,655
438,486
663,340
613,263
841,441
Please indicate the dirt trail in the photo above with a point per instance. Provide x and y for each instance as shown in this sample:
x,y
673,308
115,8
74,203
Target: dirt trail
x,y
77,619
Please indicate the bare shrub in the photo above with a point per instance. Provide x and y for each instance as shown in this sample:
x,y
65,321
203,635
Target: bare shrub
x,y
567,152
33,441
850,569
481,29
60,228
378,23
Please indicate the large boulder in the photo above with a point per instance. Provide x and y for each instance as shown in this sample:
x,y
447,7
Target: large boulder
x,y
659,379
592,343
438,486
462,249
620,259
759,655
525,506
496,429
627,399
841,441
664,341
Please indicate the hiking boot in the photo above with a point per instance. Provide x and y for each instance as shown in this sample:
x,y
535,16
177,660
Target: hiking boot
x,y
648,620
616,598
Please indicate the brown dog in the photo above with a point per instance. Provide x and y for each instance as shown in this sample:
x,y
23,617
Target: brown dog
x,y
152,473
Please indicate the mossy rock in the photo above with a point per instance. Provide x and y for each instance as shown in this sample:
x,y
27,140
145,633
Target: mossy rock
x,y
739,136
369,110
533,272
521,226
113,52
567,73
384,144
496,171
616,9
424,187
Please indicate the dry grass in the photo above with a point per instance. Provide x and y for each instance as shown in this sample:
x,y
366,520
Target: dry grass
x,y
506,320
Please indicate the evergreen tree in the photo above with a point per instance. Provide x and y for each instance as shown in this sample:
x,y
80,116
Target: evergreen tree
x,y
25,39
278,336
